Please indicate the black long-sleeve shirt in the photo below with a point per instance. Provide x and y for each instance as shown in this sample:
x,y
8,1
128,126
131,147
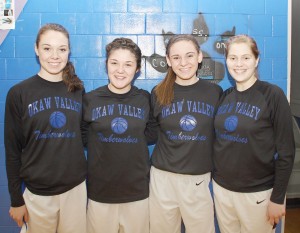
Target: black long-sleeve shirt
x,y
186,133
118,157
254,149
42,138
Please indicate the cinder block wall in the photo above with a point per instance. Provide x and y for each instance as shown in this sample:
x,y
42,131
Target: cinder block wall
x,y
93,24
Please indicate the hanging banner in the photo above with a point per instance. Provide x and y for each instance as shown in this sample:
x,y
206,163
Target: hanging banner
x,y
7,14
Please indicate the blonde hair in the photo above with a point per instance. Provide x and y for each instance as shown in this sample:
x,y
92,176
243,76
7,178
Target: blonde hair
x,y
238,39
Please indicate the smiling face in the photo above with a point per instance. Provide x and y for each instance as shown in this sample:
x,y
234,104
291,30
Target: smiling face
x,y
184,59
121,69
242,65
53,53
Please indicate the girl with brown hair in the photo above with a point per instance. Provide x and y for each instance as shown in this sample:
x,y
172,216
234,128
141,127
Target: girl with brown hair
x,y
43,142
184,108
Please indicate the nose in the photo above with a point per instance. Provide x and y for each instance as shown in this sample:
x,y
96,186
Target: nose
x,y
54,54
239,62
120,69
183,61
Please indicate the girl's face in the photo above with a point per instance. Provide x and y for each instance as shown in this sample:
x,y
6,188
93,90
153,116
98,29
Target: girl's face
x,y
53,52
121,68
242,64
184,59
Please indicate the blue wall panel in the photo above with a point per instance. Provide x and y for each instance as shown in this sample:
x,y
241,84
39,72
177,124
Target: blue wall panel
x,y
110,6
21,68
275,47
129,23
42,6
180,6
155,23
7,50
75,6
145,6
2,69
98,23
66,19
2,159
24,46
92,24
279,25
265,21
27,24
2,107
86,46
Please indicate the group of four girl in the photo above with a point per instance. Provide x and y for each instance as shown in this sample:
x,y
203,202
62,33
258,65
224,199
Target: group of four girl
x,y
243,135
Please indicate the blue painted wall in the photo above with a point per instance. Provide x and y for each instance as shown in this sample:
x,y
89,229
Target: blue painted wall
x,y
93,24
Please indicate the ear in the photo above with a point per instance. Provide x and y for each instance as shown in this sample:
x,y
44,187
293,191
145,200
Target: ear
x,y
257,61
200,57
168,61
36,50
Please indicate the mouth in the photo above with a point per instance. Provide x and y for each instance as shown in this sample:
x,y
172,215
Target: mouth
x,y
185,70
54,64
240,71
120,77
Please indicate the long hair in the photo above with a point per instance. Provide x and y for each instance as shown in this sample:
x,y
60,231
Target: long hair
x,y
69,76
164,91
239,39
127,44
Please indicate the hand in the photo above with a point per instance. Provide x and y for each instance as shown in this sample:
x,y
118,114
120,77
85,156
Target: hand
x,y
19,214
275,212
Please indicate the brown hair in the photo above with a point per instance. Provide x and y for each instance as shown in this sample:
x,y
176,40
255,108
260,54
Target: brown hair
x,y
69,76
238,39
124,43
165,89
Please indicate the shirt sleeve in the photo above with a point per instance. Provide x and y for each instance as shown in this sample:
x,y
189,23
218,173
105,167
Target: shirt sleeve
x,y
84,127
13,146
152,125
285,145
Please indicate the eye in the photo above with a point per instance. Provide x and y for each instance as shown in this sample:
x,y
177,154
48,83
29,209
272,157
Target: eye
x,y
191,55
46,48
63,50
175,58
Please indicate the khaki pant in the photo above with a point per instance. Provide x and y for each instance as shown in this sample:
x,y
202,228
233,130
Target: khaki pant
x,y
176,196
131,217
242,212
63,213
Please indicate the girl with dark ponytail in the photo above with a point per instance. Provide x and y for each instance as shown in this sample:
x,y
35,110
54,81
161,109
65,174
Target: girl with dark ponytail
x,y
69,76
43,142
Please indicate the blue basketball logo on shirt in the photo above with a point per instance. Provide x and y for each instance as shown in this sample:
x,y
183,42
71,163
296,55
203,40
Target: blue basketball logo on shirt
x,y
119,125
57,119
188,122
231,123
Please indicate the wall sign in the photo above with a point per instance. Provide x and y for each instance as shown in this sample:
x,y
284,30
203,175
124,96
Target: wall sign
x,y
7,14
209,69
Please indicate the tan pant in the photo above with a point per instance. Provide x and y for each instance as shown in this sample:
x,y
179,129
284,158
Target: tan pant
x,y
131,217
242,212
63,213
174,197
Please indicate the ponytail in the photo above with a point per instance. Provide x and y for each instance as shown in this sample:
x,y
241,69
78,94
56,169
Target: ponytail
x,y
164,91
70,78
